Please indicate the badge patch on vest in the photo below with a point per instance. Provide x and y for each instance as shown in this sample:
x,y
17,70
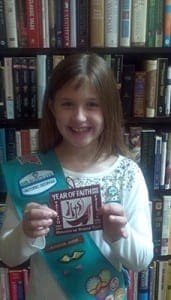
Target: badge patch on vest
x,y
37,182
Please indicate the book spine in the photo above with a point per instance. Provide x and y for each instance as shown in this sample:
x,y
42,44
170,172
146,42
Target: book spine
x,y
163,159
139,94
159,23
2,93
66,23
117,67
73,24
125,23
9,92
22,23
168,93
4,283
52,23
14,277
25,141
157,161
162,66
111,23
151,23
59,28
34,140
97,23
16,66
143,289
3,36
167,23
127,89
162,280
32,87
168,163
25,105
41,81
138,23
18,142
168,285
10,139
82,23
165,225
34,21
150,67
11,23
45,23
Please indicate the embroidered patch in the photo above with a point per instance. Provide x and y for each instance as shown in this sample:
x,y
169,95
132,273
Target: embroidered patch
x,y
37,182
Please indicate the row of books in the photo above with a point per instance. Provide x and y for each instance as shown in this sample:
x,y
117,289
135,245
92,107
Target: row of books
x,y
154,283
84,23
151,148
13,283
145,92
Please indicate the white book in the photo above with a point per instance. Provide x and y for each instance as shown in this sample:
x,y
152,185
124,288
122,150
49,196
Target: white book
x,y
168,163
73,26
138,23
41,82
125,23
168,93
4,284
9,91
34,140
45,23
162,280
111,23
166,221
18,142
163,159
11,23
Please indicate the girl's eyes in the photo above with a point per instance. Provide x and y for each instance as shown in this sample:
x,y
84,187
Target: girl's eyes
x,y
90,104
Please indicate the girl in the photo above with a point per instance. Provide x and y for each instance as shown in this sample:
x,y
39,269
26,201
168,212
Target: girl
x,y
81,145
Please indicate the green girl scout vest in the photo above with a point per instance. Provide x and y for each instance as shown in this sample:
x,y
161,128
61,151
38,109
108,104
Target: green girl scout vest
x,y
74,259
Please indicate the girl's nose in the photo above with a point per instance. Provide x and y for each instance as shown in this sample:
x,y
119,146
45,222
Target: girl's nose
x,y
80,114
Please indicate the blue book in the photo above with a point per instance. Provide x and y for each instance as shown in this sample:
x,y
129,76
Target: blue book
x,y
157,161
143,285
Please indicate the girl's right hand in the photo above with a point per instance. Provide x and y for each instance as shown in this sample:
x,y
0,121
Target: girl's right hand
x,y
37,219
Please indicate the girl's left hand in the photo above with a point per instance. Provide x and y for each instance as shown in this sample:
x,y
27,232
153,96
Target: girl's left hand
x,y
114,221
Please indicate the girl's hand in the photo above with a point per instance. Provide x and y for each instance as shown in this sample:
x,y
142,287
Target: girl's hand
x,y
114,221
37,219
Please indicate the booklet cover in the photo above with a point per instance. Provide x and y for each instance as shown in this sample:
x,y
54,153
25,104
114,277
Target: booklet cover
x,y
77,209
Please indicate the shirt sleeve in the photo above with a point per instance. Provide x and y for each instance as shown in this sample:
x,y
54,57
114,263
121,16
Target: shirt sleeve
x,y
136,251
15,246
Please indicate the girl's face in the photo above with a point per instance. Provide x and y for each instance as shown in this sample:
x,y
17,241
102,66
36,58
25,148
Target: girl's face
x,y
78,115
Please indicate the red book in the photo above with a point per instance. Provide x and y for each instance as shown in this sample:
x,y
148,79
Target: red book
x,y
25,141
34,23
15,277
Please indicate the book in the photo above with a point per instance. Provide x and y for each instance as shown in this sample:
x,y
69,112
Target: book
x,y
82,23
3,158
117,67
9,91
10,139
166,224
25,142
52,23
163,159
21,18
3,35
125,23
18,142
167,23
157,221
138,23
168,92
32,87
162,279
34,23
162,67
151,23
58,18
41,81
2,93
4,284
11,23
159,23
17,86
157,161
3,207
34,139
45,24
143,287
168,163
66,24
111,23
147,155
127,89
135,142
73,23
15,276
150,67
139,94
97,23
168,284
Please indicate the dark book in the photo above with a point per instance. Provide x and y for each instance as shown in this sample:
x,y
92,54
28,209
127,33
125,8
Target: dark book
x,y
82,21
157,161
3,36
16,69
127,89
66,24
10,138
117,67
157,222
162,65
59,29
25,86
147,156
143,285
2,93
32,84
22,23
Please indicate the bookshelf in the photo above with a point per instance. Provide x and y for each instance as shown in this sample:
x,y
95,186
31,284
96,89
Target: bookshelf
x,y
131,55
